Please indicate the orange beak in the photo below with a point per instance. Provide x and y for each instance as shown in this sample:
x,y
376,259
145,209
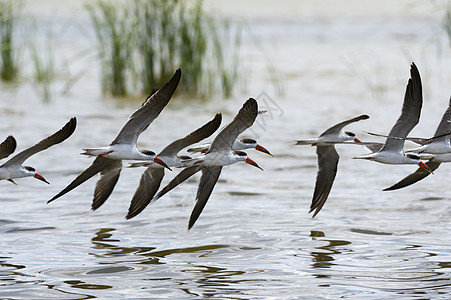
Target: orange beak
x,y
38,176
252,163
425,167
262,149
161,162
357,140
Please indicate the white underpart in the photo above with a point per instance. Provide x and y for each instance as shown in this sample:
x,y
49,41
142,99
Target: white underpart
x,y
119,152
15,172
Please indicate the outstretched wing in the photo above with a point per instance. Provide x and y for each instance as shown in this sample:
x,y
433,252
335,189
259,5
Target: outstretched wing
x,y
181,177
99,164
327,169
410,114
141,118
418,175
443,130
105,185
207,182
148,187
243,120
7,147
55,138
194,137
337,128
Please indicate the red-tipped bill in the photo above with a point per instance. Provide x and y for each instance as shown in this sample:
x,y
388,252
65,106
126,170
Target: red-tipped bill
x,y
425,167
161,162
357,140
38,176
252,163
262,149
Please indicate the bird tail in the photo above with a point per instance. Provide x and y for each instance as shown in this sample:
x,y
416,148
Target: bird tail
x,y
306,142
201,148
92,151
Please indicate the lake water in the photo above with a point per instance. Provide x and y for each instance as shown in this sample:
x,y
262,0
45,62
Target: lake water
x,y
311,64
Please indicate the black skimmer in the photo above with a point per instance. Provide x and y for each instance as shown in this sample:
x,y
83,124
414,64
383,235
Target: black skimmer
x,y
152,177
328,159
108,159
13,167
392,151
220,154
439,148
238,144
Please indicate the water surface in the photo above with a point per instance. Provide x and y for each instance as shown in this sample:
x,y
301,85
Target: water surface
x,y
255,238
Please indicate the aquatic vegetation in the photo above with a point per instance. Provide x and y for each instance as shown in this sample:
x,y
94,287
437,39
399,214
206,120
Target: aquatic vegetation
x,y
114,28
142,42
9,10
447,23
44,69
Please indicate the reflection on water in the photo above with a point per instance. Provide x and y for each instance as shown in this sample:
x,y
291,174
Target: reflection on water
x,y
255,239
323,256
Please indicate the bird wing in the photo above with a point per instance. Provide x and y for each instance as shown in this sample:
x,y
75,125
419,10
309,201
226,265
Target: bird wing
x,y
410,114
243,120
55,138
194,137
7,147
327,169
148,187
444,127
207,182
419,141
141,118
418,175
181,177
338,127
105,185
99,164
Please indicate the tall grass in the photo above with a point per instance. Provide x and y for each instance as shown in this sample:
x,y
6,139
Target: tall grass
x,y
447,23
44,68
9,10
149,39
114,30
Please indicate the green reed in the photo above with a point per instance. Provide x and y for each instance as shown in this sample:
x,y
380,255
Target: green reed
x,y
447,23
9,10
44,68
114,31
142,42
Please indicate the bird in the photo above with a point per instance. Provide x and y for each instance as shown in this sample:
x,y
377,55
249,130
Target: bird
x,y
220,154
238,144
7,147
439,148
392,151
153,175
328,159
108,159
13,168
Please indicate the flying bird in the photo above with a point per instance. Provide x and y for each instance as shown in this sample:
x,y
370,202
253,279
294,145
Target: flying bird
x,y
220,154
439,147
153,175
238,144
328,159
392,151
13,168
108,161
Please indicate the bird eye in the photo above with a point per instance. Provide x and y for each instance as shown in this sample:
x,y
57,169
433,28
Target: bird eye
x,y
413,156
31,169
240,153
248,141
350,133
148,152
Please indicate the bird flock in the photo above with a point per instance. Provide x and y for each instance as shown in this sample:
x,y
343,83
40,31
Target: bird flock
x,y
226,149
